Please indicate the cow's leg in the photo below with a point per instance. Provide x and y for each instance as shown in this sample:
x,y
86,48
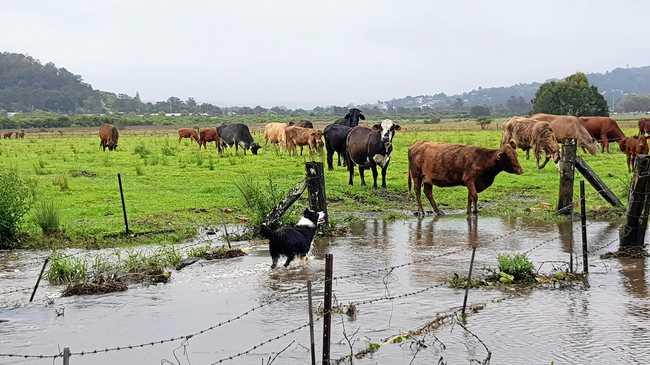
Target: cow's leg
x,y
472,198
275,258
330,157
301,146
179,139
528,154
363,178
417,182
374,176
605,144
383,178
338,159
350,169
428,191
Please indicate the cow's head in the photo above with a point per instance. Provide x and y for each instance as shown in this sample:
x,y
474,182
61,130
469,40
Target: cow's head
x,y
353,116
507,159
255,147
386,129
317,137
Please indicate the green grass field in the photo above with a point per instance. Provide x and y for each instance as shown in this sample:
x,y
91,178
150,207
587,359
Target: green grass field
x,y
172,186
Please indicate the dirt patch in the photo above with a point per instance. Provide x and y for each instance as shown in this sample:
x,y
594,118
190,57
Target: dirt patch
x,y
628,252
224,253
98,286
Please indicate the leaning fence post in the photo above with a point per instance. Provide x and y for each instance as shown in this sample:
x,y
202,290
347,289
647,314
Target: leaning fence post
x,y
316,187
66,356
567,170
327,307
583,223
126,221
311,324
469,281
633,232
38,281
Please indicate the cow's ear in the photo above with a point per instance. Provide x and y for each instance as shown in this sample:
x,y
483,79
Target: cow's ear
x,y
362,117
347,116
377,127
396,127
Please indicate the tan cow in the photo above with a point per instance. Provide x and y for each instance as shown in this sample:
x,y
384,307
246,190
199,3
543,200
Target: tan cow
x,y
298,136
527,134
569,127
274,133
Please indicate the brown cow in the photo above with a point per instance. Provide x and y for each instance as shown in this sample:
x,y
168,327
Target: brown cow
x,y
108,136
299,136
274,133
527,134
207,135
569,127
7,135
633,146
604,130
190,133
644,126
20,134
445,165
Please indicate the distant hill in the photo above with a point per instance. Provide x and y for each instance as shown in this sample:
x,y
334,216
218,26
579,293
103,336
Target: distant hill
x,y
613,85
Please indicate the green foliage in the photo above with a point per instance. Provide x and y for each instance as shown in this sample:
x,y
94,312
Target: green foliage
x,y
141,150
479,111
62,182
14,203
483,122
515,267
66,270
168,150
571,96
634,103
210,162
199,251
48,216
259,199
139,170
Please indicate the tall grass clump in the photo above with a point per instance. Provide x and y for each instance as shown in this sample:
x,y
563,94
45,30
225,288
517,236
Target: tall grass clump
x,y
260,199
15,202
48,216
517,267
210,162
62,182
141,150
67,270
198,158
139,170
40,168
168,150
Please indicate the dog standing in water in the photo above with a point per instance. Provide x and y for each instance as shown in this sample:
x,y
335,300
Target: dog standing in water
x,y
292,241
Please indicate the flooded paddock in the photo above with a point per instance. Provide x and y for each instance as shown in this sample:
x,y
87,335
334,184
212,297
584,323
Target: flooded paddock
x,y
608,322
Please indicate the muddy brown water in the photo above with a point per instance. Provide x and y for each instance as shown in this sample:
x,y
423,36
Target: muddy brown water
x,y
607,323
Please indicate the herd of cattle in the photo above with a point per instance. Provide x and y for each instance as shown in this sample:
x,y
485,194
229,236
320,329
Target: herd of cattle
x,y
19,134
428,163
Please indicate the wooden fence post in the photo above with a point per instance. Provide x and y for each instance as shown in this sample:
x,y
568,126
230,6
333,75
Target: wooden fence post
x,y
66,356
567,170
327,307
38,281
311,324
633,232
583,222
126,221
469,281
316,188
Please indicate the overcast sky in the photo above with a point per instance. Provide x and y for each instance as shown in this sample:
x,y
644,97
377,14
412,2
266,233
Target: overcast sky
x,y
306,53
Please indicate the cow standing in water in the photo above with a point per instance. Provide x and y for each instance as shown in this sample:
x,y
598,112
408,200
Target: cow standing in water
x,y
446,165
369,148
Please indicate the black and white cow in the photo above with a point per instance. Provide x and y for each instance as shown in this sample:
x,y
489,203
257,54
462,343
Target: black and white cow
x,y
369,148
236,135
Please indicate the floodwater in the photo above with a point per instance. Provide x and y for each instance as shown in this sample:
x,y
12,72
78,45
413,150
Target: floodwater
x,y
606,323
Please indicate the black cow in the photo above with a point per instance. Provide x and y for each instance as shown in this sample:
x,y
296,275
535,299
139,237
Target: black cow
x,y
336,136
351,119
236,135
369,147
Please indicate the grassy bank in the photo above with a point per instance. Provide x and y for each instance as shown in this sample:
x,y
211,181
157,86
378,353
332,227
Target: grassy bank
x,y
175,188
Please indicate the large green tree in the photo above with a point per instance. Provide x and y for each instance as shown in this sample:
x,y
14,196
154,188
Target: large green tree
x,y
571,96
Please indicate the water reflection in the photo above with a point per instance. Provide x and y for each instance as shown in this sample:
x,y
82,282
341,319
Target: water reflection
x,y
472,230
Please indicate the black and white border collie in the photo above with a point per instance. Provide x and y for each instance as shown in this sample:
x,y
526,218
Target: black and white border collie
x,y
292,241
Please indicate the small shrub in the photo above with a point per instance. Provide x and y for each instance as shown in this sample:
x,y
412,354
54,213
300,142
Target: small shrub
x,y
152,160
67,270
168,150
483,122
139,170
198,158
198,251
260,199
515,267
47,216
141,150
210,162
62,182
40,170
15,202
